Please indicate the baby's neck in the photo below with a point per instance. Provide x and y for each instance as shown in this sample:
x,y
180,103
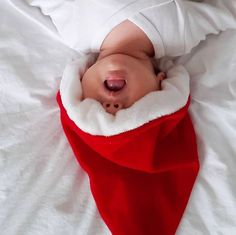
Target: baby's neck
x,y
127,38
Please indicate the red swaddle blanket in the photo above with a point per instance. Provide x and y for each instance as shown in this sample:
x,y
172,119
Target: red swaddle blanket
x,y
140,177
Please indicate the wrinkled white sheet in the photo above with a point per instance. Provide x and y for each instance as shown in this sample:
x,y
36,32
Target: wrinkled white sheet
x,y
42,188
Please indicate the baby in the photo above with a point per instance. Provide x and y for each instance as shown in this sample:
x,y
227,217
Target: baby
x,y
127,122
124,71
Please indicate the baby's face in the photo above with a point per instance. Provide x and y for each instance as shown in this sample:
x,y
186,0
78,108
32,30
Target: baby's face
x,y
118,81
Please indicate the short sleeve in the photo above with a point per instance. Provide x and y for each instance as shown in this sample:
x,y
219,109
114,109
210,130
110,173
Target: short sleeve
x,y
164,25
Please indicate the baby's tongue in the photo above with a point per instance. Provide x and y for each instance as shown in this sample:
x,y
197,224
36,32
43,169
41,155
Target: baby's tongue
x,y
115,85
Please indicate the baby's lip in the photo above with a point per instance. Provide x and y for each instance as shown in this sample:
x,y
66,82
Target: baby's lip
x,y
115,80
114,84
116,75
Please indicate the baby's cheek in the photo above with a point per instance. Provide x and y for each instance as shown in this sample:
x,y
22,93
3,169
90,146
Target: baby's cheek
x,y
85,88
89,89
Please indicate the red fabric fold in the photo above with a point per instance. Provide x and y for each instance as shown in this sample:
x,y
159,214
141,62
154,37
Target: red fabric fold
x,y
141,179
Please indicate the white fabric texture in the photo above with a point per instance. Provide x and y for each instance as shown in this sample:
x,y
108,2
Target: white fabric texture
x,y
90,116
42,188
189,23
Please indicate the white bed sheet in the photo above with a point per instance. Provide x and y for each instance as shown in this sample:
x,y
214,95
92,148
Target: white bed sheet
x,y
42,188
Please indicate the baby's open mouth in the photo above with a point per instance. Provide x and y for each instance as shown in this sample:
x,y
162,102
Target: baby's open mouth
x,y
114,84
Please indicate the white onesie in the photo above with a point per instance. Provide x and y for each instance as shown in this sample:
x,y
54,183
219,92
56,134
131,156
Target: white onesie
x,y
173,26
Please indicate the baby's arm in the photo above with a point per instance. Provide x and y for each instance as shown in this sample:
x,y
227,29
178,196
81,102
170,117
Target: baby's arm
x,y
208,17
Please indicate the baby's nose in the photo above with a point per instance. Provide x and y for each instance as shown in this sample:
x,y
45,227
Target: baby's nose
x,y
112,107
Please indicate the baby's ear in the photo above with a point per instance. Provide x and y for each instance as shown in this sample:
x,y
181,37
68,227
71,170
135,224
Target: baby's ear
x,y
161,76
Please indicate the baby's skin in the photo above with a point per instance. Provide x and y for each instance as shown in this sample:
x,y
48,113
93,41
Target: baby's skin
x,y
123,72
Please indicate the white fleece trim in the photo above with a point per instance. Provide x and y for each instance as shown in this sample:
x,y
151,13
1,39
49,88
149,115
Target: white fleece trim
x,y
90,116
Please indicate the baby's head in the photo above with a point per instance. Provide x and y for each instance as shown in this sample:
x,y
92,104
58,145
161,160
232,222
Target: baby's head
x,y
118,80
